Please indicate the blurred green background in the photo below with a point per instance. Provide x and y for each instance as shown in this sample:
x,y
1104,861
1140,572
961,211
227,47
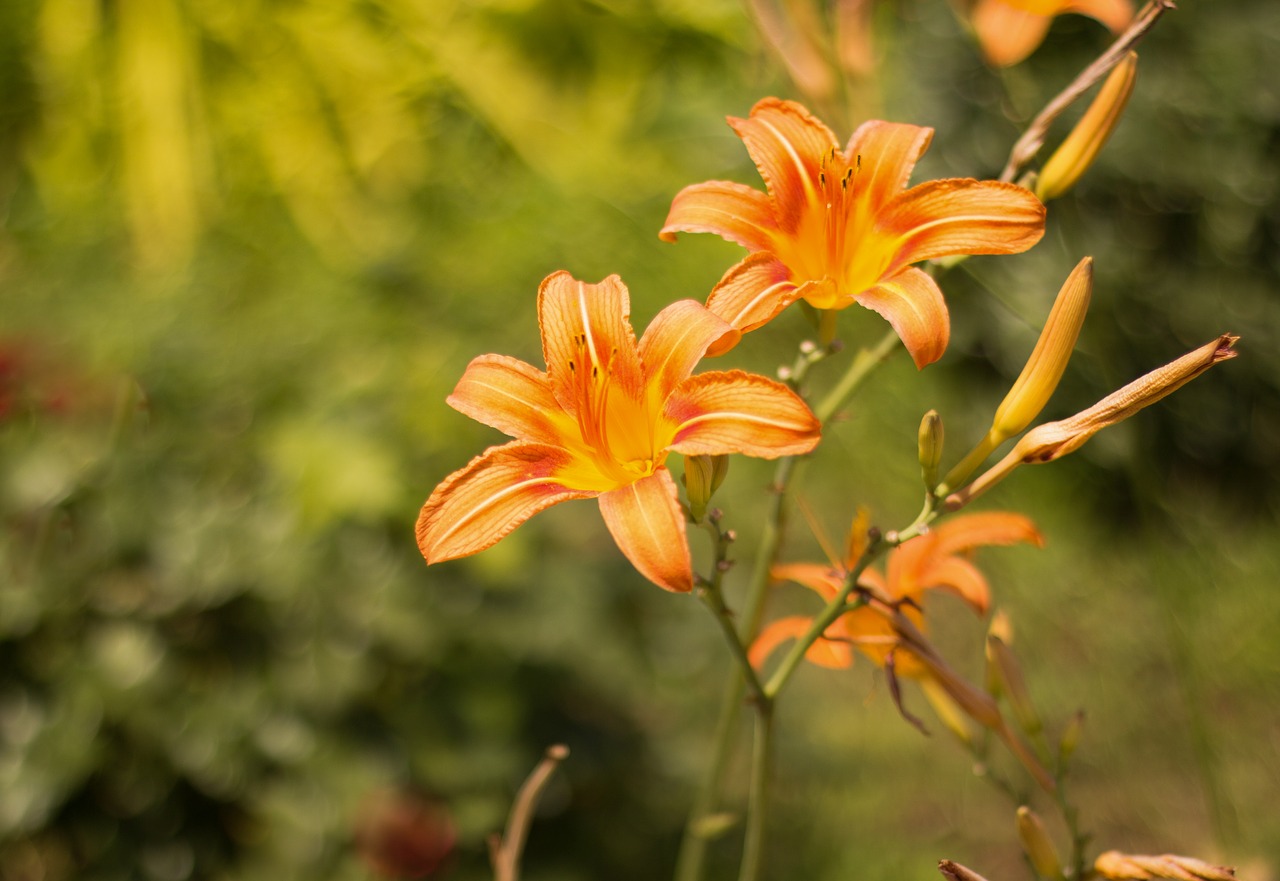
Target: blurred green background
x,y
246,250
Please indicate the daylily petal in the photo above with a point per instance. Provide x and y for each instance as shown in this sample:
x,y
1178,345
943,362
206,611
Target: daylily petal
x,y
476,506
1007,34
912,303
821,579
749,295
513,397
1115,14
824,652
787,144
646,522
888,151
731,210
873,580
960,216
960,577
674,343
986,528
587,327
739,412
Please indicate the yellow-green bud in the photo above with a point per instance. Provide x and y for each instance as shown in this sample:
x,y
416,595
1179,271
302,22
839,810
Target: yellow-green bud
x,y
702,477
930,446
1077,152
1037,845
1049,358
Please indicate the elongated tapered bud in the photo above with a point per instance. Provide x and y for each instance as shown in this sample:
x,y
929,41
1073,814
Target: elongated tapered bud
x,y
1073,158
930,446
1004,666
1043,370
947,711
1052,440
1037,844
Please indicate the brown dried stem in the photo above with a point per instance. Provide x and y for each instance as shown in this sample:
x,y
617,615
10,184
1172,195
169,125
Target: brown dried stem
x,y
505,852
1033,138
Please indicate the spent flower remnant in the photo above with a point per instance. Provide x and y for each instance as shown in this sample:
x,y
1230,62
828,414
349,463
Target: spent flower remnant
x,y
838,227
600,423
1010,30
936,560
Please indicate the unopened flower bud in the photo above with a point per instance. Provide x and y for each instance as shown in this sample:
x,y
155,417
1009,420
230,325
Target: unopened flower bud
x,y
1052,440
702,477
1001,627
1073,158
1044,369
948,713
930,447
1005,667
1070,738
1037,844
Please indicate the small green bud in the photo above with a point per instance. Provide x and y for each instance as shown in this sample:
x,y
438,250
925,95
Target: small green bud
x,y
931,437
1005,669
1070,738
702,477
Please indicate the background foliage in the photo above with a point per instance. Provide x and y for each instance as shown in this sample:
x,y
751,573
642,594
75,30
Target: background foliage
x,y
246,249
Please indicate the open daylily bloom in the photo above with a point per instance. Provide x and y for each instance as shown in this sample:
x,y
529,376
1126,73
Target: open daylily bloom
x,y
837,227
600,423
1010,30
937,560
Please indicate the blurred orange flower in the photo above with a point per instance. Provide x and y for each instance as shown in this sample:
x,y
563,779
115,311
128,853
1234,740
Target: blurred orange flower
x,y
600,422
1010,30
837,227
937,560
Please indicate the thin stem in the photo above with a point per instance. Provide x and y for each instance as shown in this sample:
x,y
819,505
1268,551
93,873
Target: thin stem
x,y
838,606
863,364
693,846
1071,816
966,466
712,595
757,813
505,852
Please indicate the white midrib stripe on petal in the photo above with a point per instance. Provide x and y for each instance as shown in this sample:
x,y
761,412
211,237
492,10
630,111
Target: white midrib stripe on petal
x,y
998,220
795,158
489,502
743,417
758,297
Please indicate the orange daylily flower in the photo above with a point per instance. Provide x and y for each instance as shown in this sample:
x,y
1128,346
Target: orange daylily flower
x,y
1010,30
937,560
837,227
600,422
